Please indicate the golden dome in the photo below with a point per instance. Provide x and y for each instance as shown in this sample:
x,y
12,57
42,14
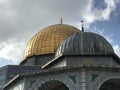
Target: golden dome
x,y
47,40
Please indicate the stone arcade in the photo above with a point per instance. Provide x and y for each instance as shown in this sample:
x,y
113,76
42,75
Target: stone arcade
x,y
62,57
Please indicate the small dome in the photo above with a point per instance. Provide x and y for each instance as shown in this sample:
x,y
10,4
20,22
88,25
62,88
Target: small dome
x,y
85,43
47,40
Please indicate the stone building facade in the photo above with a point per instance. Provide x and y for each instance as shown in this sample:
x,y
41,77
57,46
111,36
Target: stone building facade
x,y
62,57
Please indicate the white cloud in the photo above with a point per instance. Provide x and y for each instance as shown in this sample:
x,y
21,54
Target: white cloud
x,y
94,14
117,49
110,7
12,51
3,1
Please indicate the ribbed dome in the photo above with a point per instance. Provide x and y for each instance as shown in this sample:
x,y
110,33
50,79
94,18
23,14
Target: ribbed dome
x,y
47,40
85,43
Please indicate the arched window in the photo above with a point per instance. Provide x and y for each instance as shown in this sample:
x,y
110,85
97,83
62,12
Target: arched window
x,y
53,85
111,84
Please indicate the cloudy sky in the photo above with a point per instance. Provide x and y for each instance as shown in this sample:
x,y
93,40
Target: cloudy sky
x,y
21,19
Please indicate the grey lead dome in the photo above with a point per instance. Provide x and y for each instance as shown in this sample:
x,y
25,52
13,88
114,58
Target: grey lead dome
x,y
85,43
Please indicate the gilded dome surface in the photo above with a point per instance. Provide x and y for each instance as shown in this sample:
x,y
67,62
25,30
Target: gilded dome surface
x,y
85,43
47,40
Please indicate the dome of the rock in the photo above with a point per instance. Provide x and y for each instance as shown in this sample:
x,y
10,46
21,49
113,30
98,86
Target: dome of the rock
x,y
47,40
